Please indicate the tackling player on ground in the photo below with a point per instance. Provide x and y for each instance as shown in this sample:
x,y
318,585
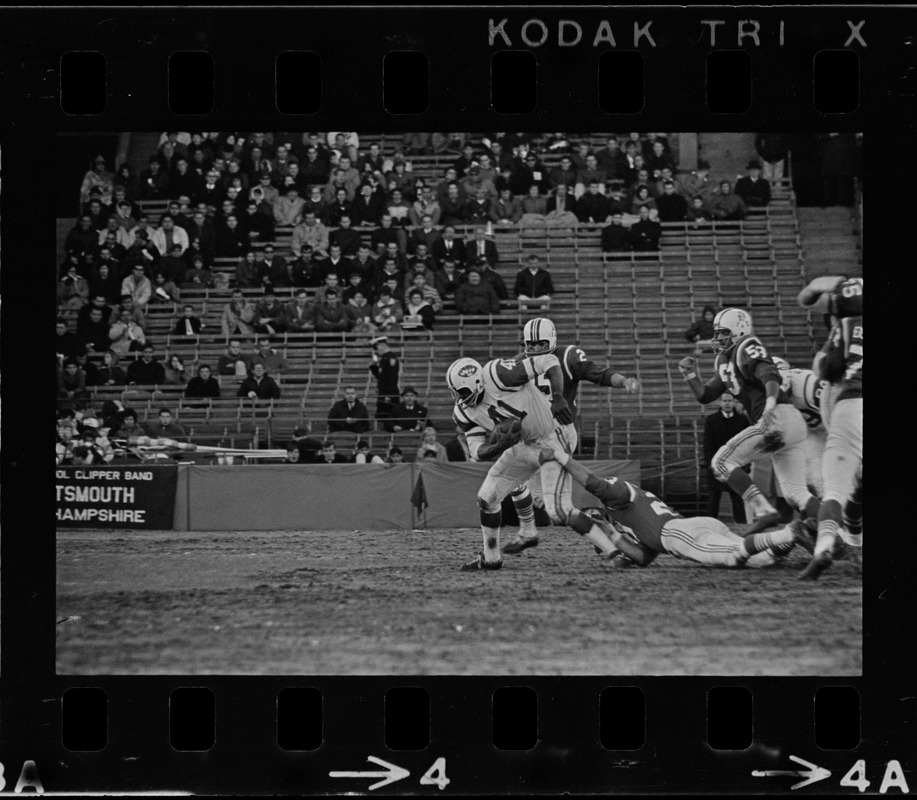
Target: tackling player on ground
x,y
507,419
840,361
745,369
650,527
539,336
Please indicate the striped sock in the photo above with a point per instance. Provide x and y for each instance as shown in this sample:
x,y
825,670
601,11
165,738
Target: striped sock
x,y
525,510
780,542
827,534
752,495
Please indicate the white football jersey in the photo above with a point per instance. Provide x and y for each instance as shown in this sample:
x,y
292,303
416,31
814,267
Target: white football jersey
x,y
510,392
805,392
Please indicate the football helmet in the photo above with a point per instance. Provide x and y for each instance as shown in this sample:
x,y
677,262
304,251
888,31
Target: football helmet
x,y
730,325
465,379
536,333
847,299
784,366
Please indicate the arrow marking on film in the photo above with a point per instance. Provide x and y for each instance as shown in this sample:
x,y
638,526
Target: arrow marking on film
x,y
812,773
391,774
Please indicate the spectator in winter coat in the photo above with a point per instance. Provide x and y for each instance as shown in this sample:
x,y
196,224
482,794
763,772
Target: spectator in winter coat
x,y
259,386
533,285
701,330
476,296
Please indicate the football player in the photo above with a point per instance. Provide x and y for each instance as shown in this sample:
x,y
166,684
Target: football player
x,y
644,526
744,368
840,361
507,419
555,489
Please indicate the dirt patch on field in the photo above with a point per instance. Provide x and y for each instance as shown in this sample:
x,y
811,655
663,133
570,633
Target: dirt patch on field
x,y
394,602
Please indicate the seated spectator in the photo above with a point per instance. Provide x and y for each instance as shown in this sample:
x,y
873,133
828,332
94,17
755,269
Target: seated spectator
x,y
274,362
197,276
386,310
164,427
672,206
164,290
698,212
701,330
698,182
126,335
231,240
349,414
615,237
418,281
269,313
399,210
752,188
430,448
726,206
330,316
329,454
73,288
331,282
533,285
339,207
202,237
154,181
384,235
418,313
336,262
345,237
247,270
394,456
234,361
187,324
362,454
176,375
426,205
272,268
308,445
592,207
452,206
478,209
310,232
100,178
239,316
168,235
482,250
288,207
408,415
142,251
447,278
109,373
92,333
172,265
293,454
257,226
146,370
491,276
360,313
368,207
103,282
129,426
534,207
126,303
587,175
390,271
203,384
424,234
476,297
658,159
71,382
259,385
658,189
641,198
138,286
299,315
450,247
645,233
506,210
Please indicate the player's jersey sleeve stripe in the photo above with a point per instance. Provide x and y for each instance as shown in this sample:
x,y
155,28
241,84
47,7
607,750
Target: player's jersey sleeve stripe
x,y
492,372
565,361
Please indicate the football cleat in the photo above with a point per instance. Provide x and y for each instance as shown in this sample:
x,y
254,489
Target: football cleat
x,y
802,535
816,566
480,564
520,543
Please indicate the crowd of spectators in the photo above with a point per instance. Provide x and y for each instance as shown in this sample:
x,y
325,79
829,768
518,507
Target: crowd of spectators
x,y
227,194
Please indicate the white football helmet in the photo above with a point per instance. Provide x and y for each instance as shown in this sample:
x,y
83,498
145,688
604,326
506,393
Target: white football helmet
x,y
784,366
539,336
465,379
730,325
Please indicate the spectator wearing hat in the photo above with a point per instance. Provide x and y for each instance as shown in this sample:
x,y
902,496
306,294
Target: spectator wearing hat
x,y
772,148
752,188
533,285
672,206
259,385
698,182
349,414
408,415
726,205
385,367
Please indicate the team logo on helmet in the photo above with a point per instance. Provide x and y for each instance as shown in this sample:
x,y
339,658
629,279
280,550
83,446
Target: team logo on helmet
x,y
730,325
468,369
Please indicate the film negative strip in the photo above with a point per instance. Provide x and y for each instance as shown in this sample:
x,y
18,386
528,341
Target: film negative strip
x,y
203,612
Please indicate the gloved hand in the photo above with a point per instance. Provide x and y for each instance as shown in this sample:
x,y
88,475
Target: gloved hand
x,y
687,366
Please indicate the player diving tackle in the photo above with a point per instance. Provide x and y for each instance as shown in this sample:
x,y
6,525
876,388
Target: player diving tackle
x,y
641,526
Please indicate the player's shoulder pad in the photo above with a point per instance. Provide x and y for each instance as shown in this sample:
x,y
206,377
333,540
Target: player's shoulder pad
x,y
617,493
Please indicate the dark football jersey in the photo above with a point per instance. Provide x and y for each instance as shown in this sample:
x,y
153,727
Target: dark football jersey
x,y
743,370
575,366
844,357
640,513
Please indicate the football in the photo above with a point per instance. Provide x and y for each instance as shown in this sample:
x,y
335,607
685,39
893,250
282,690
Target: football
x,y
507,427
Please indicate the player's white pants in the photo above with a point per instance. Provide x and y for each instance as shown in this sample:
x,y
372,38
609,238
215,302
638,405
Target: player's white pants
x,y
554,486
520,463
789,462
815,451
843,450
702,539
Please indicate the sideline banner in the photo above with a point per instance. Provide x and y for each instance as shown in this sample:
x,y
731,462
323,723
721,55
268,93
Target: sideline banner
x,y
116,496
